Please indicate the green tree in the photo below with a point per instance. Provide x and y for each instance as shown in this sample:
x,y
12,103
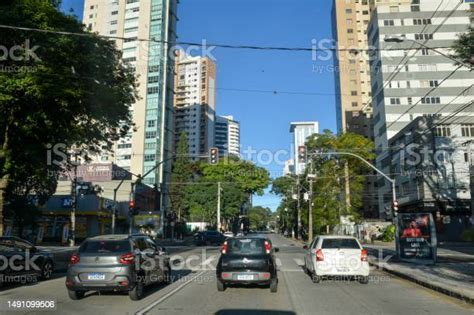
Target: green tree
x,y
239,179
329,194
181,175
259,217
464,46
73,91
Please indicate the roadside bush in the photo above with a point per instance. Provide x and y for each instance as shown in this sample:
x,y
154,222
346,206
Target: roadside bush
x,y
468,235
389,234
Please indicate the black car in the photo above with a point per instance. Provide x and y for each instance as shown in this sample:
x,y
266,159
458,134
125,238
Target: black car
x,y
21,261
125,263
209,238
247,260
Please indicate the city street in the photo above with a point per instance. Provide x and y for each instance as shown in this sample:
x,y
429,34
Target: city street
x,y
193,291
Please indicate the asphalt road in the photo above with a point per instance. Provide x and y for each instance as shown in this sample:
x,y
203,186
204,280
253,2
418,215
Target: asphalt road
x,y
193,291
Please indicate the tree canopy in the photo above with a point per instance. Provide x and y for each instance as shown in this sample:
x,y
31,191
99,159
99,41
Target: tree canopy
x,y
64,89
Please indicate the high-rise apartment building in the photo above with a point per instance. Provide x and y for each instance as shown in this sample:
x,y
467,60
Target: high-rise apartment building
x,y
301,132
350,20
352,77
227,136
408,82
195,102
149,30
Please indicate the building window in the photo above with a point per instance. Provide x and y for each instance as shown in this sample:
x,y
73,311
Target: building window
x,y
430,100
423,36
410,101
150,134
467,130
153,79
388,23
415,8
113,22
151,123
124,146
434,83
350,30
149,157
443,131
348,11
153,90
353,93
355,104
395,101
394,9
114,12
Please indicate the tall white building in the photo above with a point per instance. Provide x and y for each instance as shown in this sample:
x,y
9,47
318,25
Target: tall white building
x,y
407,84
227,135
150,142
301,132
195,102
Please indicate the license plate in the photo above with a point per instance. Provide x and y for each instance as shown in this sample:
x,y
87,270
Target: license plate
x,y
342,269
96,276
244,277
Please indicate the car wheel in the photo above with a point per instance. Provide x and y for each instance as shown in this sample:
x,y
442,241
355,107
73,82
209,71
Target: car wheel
x,y
220,286
363,280
274,285
315,278
47,270
75,295
136,293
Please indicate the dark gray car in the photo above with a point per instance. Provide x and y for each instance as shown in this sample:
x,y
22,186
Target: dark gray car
x,y
117,263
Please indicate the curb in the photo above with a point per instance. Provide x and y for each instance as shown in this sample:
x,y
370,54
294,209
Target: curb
x,y
449,292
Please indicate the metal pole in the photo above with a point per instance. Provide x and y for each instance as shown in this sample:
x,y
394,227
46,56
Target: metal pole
x,y
130,214
310,211
298,205
114,211
219,206
72,238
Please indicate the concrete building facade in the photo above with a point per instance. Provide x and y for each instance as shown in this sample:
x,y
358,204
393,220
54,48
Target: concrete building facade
x,y
151,140
227,136
301,132
195,103
408,82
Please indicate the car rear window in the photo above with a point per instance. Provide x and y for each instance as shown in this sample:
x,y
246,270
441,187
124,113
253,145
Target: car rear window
x,y
340,243
246,246
105,246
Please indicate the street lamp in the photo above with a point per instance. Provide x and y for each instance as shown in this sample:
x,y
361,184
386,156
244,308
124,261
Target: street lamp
x,y
403,38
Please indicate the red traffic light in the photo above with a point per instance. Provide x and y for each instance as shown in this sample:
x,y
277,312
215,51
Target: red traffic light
x,y
131,204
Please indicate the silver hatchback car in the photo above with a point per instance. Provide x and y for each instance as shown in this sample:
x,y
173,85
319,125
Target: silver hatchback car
x,y
117,263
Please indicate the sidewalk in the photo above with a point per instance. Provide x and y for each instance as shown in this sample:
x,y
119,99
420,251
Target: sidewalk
x,y
452,275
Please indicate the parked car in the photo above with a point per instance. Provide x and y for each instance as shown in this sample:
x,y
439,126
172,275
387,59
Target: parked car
x,y
29,262
117,263
228,234
336,256
208,238
247,260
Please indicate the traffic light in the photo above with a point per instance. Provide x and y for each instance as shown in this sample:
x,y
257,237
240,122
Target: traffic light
x,y
214,156
302,154
395,207
132,210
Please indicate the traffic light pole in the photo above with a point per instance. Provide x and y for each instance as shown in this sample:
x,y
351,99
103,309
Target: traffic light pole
x,y
219,206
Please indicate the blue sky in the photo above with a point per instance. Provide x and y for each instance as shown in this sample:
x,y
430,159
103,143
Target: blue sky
x,y
264,117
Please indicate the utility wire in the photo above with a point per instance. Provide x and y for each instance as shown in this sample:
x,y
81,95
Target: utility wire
x,y
154,40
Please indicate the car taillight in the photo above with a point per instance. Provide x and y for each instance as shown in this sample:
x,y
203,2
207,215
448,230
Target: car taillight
x,y
268,247
319,255
224,248
363,256
127,259
74,259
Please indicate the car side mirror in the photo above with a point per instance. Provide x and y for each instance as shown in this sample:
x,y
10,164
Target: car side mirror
x,y
305,247
277,249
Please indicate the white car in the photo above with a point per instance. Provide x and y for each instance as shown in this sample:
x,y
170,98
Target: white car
x,y
340,256
228,234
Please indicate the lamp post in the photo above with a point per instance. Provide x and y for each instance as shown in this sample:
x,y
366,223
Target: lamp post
x,y
403,38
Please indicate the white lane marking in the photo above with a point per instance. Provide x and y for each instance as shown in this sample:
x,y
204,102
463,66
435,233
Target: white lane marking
x,y
154,304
